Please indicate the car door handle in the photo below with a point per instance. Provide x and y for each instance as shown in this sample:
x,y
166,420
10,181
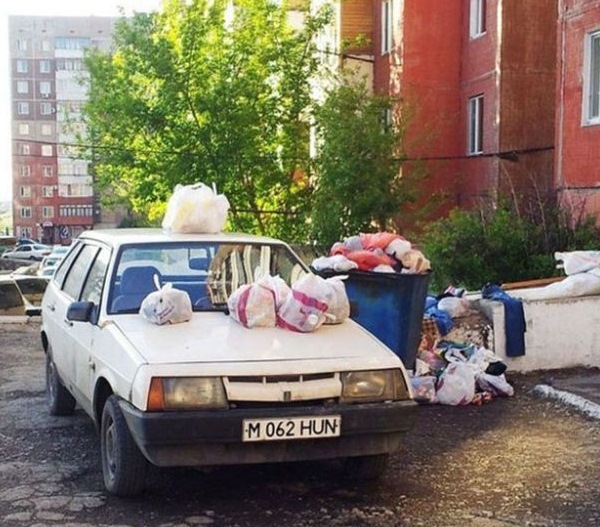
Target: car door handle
x,y
68,323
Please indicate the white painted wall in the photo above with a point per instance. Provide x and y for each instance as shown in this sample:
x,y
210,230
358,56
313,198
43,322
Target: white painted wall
x,y
561,332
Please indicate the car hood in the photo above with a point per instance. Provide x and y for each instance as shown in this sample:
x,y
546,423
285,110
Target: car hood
x,y
217,338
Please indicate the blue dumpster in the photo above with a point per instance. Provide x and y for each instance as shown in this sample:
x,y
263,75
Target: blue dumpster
x,y
390,306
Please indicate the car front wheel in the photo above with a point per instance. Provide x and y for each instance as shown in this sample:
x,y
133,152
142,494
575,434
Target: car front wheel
x,y
123,465
60,401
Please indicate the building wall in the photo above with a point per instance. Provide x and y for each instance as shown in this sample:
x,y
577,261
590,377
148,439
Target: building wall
x,y
49,180
577,159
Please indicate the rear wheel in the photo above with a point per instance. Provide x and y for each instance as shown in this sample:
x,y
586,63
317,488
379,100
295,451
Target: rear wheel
x,y
367,468
123,465
60,401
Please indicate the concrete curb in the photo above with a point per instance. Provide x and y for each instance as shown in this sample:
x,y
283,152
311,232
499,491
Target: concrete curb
x,y
579,403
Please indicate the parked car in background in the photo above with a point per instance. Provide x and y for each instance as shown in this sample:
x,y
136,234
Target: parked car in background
x,y
49,264
35,251
210,391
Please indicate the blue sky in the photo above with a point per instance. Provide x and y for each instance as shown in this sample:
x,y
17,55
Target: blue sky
x,y
52,8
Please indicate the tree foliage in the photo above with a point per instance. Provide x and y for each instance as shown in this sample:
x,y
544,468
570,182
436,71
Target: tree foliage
x,y
359,185
206,92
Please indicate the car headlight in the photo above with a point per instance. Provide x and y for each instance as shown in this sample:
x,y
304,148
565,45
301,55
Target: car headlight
x,y
373,386
186,393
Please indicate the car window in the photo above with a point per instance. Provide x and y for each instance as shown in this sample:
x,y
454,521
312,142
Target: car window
x,y
64,267
24,248
92,289
10,299
78,271
208,271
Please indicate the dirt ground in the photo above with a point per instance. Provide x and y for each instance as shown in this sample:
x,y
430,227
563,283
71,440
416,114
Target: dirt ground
x,y
524,461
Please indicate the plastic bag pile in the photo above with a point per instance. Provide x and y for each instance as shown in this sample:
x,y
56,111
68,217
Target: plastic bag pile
x,y
381,252
311,302
195,209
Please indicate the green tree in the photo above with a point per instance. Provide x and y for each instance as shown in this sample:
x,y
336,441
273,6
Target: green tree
x,y
359,186
204,91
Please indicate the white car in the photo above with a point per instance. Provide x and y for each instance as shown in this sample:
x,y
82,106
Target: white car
x,y
35,251
210,391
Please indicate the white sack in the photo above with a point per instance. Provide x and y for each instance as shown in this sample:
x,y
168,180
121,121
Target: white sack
x,y
304,310
337,301
252,305
578,261
456,385
166,305
195,209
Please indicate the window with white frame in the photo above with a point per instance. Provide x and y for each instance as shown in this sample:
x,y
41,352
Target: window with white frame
x,y
386,27
24,170
47,150
23,149
45,45
46,129
22,87
22,44
475,120
23,128
591,93
22,66
25,191
46,108
24,232
47,170
477,18
44,66
47,211
45,88
25,212
47,191
23,108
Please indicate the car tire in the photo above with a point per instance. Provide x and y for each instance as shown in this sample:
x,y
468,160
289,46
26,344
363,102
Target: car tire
x,y
60,401
124,467
367,468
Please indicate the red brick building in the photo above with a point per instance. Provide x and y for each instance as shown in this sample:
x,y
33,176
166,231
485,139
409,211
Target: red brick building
x,y
480,89
578,105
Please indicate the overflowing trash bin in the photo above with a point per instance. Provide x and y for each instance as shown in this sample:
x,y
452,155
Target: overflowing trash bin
x,y
390,306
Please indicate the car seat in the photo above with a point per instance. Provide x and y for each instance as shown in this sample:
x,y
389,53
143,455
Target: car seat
x,y
136,284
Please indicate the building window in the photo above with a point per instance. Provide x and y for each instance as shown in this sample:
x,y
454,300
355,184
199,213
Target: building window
x,y
45,45
23,149
75,210
46,129
22,66
48,192
386,27
47,171
45,88
23,128
591,102
46,108
25,212
22,87
24,170
475,138
23,108
44,66
477,18
47,150
47,212
21,44
71,43
25,192
24,232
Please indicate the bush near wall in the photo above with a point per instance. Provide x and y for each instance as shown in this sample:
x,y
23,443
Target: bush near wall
x,y
472,248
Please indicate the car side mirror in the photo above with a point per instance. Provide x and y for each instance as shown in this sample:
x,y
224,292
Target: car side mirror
x,y
80,311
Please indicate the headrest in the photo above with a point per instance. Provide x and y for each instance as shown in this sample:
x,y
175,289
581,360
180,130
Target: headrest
x,y
139,280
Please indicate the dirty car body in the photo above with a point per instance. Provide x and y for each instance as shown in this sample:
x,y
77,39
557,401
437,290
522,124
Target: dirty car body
x,y
210,391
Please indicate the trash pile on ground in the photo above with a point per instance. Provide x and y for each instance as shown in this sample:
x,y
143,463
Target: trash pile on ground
x,y
381,252
450,372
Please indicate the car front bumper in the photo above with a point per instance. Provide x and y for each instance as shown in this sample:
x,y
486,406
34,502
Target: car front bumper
x,y
203,438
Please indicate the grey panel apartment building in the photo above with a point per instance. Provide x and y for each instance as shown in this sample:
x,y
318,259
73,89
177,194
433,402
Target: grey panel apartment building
x,y
53,199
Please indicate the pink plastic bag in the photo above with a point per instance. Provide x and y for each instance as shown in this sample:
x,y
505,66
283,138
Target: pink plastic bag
x,y
304,310
253,305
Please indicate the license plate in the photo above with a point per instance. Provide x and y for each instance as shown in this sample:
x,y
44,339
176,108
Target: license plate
x,y
291,428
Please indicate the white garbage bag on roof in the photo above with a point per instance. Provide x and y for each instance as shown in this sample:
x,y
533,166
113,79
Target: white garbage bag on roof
x,y
195,209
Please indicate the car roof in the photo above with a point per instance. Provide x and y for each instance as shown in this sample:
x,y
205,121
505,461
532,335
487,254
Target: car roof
x,y
116,237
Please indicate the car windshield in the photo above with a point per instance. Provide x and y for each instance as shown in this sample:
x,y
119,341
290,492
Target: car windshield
x,y
208,271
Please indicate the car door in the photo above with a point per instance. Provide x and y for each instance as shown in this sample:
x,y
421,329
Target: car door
x,y
65,341
86,333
